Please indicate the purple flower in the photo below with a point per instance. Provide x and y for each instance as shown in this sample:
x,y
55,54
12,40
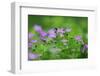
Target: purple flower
x,y
29,44
43,34
68,30
37,28
32,56
33,41
78,38
52,36
86,46
40,30
30,35
51,33
61,32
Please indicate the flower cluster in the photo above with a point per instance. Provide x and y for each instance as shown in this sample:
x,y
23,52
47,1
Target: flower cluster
x,y
56,43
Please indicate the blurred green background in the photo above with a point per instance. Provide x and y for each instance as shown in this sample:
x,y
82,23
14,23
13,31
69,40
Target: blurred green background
x,y
79,25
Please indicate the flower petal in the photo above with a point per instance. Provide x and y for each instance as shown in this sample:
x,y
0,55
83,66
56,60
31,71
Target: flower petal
x,y
30,35
32,56
78,38
33,41
37,28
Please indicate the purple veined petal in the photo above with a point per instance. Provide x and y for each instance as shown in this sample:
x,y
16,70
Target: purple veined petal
x,y
30,35
86,46
78,38
33,41
32,56
51,33
68,30
29,44
43,34
37,28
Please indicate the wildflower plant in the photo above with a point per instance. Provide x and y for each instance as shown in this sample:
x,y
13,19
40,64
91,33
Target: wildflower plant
x,y
50,39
